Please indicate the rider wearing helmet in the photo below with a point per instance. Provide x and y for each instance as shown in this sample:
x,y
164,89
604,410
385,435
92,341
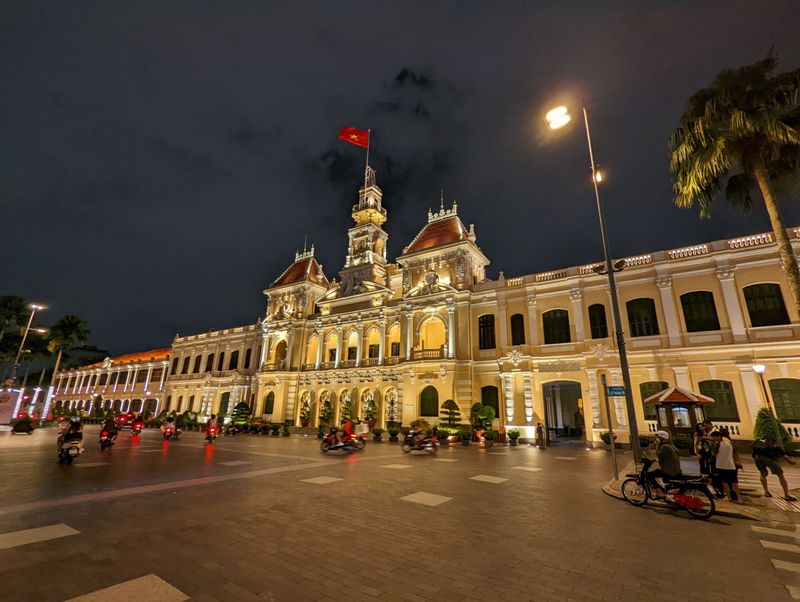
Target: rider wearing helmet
x,y
669,464
71,429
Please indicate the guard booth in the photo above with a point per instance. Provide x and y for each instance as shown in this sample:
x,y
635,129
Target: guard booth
x,y
678,410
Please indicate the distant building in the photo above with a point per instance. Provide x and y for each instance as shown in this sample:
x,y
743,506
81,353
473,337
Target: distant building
x,y
398,338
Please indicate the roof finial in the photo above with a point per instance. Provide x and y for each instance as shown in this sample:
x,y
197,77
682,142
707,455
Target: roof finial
x,y
441,199
305,242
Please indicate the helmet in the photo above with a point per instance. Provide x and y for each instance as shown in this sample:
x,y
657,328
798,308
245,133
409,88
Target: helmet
x,y
662,435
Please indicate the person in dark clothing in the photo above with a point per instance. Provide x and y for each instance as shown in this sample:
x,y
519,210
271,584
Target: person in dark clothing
x,y
768,454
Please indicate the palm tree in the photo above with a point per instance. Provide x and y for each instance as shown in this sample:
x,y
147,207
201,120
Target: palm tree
x,y
68,332
12,313
743,134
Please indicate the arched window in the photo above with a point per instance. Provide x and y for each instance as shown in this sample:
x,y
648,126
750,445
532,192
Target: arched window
x,y
174,367
234,363
517,329
555,324
486,332
490,397
280,352
646,390
224,402
221,362
786,397
247,355
210,362
597,321
269,405
642,318
765,305
429,401
180,404
699,311
185,369
169,402
190,407
724,406
196,367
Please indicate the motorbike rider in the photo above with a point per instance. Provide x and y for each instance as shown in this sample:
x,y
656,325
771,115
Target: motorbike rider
x,y
346,432
137,422
669,463
71,429
212,423
169,423
110,426
420,429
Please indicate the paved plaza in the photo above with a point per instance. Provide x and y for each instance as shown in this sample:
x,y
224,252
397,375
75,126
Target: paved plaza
x,y
263,518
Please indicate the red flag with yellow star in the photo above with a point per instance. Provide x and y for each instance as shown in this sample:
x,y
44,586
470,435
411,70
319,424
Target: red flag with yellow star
x,y
355,136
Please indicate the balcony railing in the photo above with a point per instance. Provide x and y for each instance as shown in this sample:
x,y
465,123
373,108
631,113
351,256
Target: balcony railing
x,y
428,354
272,367
369,361
392,360
347,364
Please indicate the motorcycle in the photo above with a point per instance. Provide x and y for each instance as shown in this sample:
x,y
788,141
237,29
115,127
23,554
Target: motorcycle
x,y
70,448
170,432
689,493
349,443
212,433
413,441
136,429
106,439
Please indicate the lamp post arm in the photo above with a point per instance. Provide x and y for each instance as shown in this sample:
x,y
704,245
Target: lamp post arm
x,y
623,356
22,344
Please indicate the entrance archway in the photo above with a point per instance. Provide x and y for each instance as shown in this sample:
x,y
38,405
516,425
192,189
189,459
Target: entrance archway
x,y
563,409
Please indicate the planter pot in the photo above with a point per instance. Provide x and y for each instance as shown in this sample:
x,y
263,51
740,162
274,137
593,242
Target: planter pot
x,y
513,442
371,424
304,423
377,438
392,438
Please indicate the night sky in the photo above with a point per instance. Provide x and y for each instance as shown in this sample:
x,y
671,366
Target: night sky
x,y
161,162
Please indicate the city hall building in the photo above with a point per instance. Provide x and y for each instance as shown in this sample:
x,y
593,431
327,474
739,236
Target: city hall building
x,y
395,339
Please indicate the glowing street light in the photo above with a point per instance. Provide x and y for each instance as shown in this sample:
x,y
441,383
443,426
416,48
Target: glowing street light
x,y
760,369
557,118
34,307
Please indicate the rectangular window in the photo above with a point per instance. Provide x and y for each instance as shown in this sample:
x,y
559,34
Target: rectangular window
x,y
555,324
699,311
597,321
372,351
103,378
351,353
765,305
395,351
486,332
331,355
642,318
724,406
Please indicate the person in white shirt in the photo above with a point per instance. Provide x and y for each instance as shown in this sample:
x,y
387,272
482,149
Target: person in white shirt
x,y
727,464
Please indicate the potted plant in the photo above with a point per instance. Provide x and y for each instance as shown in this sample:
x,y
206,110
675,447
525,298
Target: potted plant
x,y
451,412
305,415
275,429
320,432
488,437
443,434
285,430
513,435
369,413
466,436
377,435
393,433
606,437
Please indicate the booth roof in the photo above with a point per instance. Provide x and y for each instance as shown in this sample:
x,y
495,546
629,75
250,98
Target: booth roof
x,y
678,395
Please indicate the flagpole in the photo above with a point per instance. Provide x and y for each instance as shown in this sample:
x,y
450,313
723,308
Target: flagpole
x,y
366,168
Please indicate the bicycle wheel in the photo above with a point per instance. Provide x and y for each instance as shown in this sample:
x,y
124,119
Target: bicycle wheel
x,y
634,492
705,508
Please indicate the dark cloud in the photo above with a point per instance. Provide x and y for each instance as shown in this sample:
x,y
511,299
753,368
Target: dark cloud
x,y
160,162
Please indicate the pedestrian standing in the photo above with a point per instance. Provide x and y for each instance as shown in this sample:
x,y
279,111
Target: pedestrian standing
x,y
727,464
540,442
702,447
767,454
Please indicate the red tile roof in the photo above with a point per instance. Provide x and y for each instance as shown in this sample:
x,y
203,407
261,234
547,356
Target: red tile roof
x,y
438,233
299,271
154,355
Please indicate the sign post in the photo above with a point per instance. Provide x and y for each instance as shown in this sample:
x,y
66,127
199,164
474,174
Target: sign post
x,y
606,392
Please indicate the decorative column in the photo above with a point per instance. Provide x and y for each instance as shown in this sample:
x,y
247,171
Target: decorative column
x,y
147,380
164,368
594,399
527,393
359,341
287,363
135,376
619,402
508,391
382,341
116,381
78,383
754,397
664,284
264,349
503,316
451,331
576,296
320,344
409,333
339,331
732,306
533,326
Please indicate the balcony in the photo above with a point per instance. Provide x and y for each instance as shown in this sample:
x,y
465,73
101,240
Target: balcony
x,y
428,354
369,362
272,367
392,360
347,364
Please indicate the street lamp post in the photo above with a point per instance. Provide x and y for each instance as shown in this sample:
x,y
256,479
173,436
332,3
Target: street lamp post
x,y
34,308
557,118
760,369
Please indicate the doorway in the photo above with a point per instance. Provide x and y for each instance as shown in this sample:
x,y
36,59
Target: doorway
x,y
563,407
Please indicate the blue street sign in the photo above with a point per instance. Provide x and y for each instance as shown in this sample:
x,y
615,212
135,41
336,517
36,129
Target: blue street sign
x,y
616,391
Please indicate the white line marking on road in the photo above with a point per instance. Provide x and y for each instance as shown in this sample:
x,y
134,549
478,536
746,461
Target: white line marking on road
x,y
126,491
235,463
445,460
777,545
91,464
794,591
396,466
565,458
26,536
497,453
426,499
786,566
321,480
150,587
488,479
528,468
779,532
